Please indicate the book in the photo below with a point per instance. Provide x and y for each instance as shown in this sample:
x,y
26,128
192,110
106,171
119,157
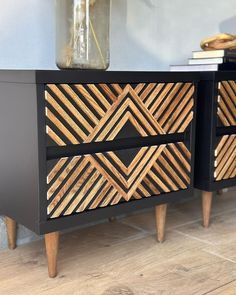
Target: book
x,y
208,61
214,53
203,68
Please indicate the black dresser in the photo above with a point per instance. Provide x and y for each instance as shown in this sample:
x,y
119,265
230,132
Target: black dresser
x,y
215,165
79,146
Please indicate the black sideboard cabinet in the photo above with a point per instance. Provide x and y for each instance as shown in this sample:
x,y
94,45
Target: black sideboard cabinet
x,y
215,158
79,146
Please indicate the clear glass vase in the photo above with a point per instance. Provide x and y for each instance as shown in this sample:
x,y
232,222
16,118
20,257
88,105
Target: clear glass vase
x,y
82,34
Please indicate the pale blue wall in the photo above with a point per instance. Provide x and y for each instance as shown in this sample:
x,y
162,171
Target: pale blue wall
x,y
145,35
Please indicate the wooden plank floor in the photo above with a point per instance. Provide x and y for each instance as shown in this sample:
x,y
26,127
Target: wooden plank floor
x,y
122,257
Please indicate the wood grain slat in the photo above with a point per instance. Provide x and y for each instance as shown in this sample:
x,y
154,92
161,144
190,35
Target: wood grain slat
x,y
54,136
226,151
155,97
147,90
143,172
67,118
137,196
227,145
182,116
108,92
226,110
228,163
139,87
161,98
171,96
56,169
116,200
225,158
148,160
99,95
93,112
100,197
177,165
230,87
228,97
90,196
222,117
186,122
221,144
69,189
84,185
109,177
61,127
69,106
62,176
185,98
166,178
159,182
117,88
109,198
184,150
180,156
183,95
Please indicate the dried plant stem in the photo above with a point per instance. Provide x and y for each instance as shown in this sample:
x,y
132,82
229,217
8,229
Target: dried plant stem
x,y
97,44
74,39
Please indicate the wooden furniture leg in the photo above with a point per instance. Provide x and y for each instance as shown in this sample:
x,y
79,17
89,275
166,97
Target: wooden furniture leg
x,y
160,221
11,232
52,243
206,207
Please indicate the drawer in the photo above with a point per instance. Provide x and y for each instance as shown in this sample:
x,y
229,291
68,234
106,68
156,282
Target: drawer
x,y
82,183
225,158
226,103
84,113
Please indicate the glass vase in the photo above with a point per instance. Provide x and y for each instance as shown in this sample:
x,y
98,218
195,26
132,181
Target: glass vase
x,y
82,34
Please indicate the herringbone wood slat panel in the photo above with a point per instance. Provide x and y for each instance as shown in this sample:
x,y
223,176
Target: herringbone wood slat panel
x,y
225,158
88,182
87,113
227,103
79,113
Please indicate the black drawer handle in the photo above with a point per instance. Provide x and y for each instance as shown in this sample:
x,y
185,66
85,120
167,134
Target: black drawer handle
x,y
56,152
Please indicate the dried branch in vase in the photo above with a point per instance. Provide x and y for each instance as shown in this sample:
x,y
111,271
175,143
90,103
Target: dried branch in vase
x,y
78,44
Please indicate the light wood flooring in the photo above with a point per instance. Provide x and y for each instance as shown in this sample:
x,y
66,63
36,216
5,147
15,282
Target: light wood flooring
x,y
123,258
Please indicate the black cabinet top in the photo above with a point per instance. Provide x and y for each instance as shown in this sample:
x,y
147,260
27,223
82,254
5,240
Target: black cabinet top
x,y
218,75
87,76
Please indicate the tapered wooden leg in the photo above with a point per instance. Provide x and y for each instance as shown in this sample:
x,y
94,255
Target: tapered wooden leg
x,y
160,221
206,208
11,232
52,243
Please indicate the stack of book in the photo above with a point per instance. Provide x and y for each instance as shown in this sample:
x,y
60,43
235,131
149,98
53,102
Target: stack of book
x,y
214,60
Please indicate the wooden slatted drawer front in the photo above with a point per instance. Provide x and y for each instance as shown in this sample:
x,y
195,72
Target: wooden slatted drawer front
x,y
225,158
88,182
84,113
226,110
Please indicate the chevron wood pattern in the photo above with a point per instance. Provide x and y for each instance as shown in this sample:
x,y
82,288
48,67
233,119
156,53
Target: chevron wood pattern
x,y
225,158
226,110
105,179
82,113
